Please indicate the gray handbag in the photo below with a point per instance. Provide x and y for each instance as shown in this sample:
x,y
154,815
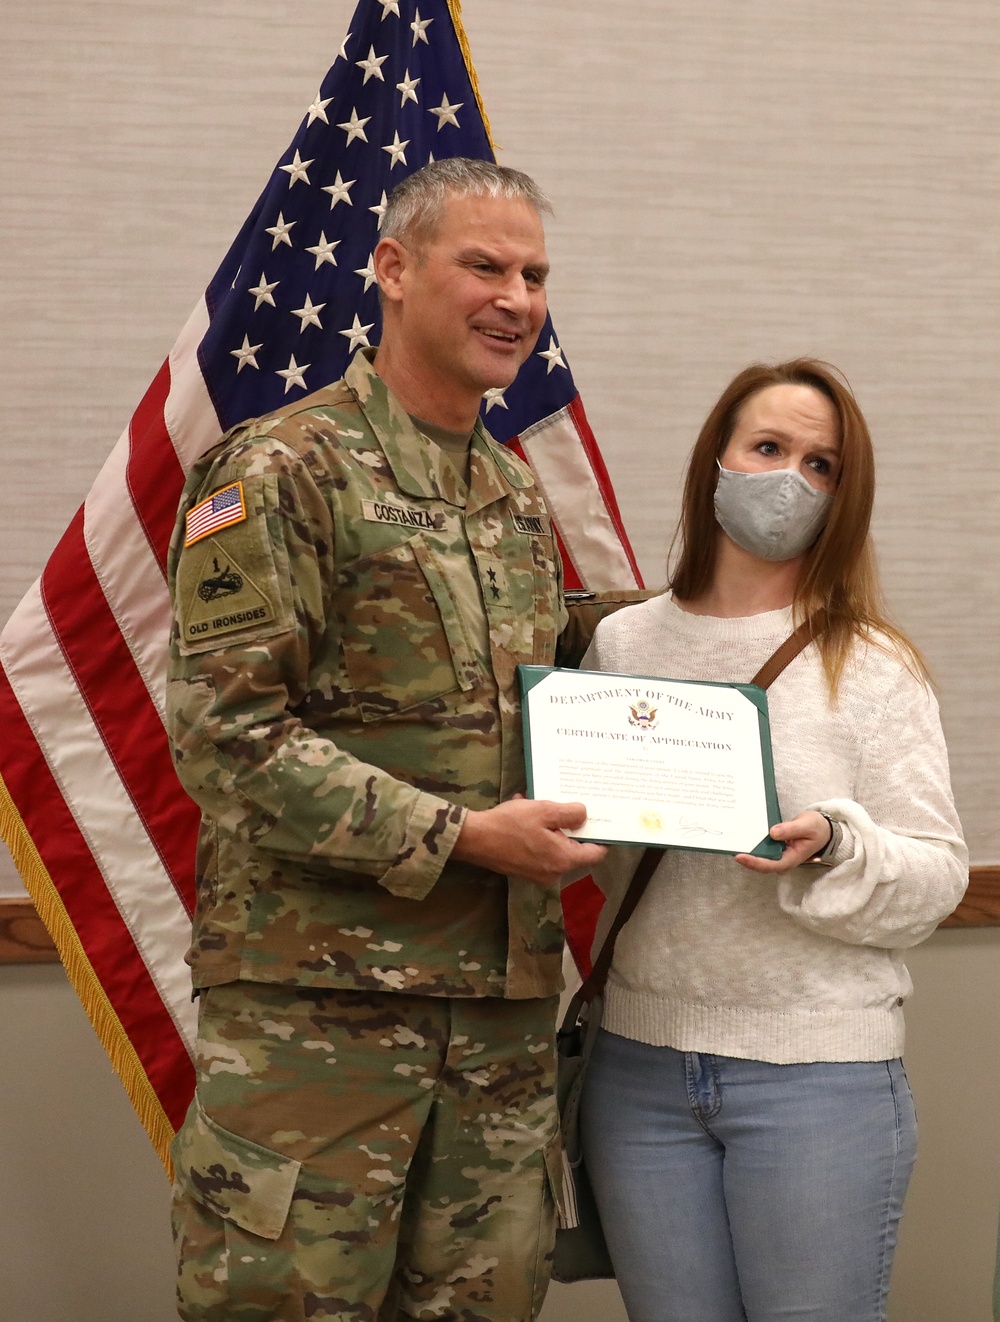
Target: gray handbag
x,y
581,1252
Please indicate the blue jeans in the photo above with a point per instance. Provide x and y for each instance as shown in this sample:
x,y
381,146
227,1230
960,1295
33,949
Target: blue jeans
x,y
737,1191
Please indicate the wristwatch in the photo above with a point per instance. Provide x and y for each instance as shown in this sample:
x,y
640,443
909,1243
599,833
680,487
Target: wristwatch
x,y
826,854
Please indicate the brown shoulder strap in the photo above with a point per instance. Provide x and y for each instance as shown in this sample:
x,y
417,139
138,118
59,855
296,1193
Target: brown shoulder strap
x,y
594,982
789,649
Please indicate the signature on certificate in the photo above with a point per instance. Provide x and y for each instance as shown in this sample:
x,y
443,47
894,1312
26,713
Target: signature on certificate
x,y
691,828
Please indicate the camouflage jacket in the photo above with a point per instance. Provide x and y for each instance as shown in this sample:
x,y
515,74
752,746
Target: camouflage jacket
x,y
348,619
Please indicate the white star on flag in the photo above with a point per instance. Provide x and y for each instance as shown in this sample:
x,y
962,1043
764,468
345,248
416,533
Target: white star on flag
x,y
262,291
296,170
294,374
323,251
389,7
408,89
368,272
494,396
342,53
355,127
379,209
419,27
309,314
281,229
446,112
372,65
552,355
318,110
397,152
340,188
357,334
246,354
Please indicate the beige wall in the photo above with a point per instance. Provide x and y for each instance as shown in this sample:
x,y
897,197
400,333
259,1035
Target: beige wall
x,y
732,180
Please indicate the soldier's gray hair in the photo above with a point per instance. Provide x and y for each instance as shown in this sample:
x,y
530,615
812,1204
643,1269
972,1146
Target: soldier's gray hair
x,y
414,207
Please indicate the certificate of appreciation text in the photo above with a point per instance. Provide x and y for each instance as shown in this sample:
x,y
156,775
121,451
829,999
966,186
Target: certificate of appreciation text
x,y
656,761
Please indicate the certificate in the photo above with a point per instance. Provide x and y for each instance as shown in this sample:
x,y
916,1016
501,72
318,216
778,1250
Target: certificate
x,y
656,761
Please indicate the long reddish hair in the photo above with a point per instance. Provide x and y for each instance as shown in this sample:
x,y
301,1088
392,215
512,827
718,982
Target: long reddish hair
x,y
839,574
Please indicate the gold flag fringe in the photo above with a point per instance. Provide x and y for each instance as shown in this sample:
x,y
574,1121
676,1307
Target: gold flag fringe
x,y
83,979
455,9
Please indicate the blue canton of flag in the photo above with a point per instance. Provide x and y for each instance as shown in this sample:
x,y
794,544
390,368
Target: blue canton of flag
x,y
296,294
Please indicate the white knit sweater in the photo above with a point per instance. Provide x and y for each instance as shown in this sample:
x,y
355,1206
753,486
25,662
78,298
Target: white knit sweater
x,y
803,966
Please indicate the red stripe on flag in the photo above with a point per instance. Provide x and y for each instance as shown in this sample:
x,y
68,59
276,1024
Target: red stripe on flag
x,y
587,440
571,579
154,475
514,444
582,905
120,706
92,910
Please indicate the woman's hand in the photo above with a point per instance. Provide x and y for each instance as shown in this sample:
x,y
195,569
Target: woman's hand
x,y
804,837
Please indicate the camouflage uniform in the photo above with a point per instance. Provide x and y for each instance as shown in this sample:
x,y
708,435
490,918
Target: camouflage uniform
x,y
349,616
317,1109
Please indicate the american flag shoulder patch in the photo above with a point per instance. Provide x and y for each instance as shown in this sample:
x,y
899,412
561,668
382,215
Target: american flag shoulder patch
x,y
220,510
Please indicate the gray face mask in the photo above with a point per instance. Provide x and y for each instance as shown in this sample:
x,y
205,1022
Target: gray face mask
x,y
775,515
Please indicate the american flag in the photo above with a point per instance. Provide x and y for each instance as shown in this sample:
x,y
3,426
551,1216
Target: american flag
x,y
90,807
219,511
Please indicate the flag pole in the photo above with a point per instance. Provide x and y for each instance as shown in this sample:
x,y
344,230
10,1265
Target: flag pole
x,y
455,10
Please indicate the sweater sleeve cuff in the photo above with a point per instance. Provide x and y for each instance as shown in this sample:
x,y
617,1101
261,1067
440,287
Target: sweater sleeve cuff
x,y
430,837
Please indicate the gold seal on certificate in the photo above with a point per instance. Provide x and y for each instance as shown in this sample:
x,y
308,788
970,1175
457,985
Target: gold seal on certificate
x,y
666,762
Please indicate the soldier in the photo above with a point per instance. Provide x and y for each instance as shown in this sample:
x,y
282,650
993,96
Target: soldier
x,y
378,936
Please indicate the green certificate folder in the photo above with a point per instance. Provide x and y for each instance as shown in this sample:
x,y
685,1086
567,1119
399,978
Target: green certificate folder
x,y
668,762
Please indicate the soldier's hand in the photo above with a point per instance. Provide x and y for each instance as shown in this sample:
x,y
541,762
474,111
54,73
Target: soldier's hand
x,y
524,838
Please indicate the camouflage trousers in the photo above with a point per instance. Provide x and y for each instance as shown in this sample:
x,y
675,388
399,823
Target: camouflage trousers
x,y
362,1157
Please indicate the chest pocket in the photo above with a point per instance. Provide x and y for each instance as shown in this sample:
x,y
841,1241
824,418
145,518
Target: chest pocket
x,y
402,632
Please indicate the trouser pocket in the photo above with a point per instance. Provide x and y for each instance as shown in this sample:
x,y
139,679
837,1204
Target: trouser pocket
x,y
230,1213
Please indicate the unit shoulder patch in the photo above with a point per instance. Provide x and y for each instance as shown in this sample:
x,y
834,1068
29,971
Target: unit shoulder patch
x,y
218,595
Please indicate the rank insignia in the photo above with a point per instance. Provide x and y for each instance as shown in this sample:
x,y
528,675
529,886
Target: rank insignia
x,y
493,581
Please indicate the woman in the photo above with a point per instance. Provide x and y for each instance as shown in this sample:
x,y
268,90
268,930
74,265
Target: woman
x,y
747,1123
